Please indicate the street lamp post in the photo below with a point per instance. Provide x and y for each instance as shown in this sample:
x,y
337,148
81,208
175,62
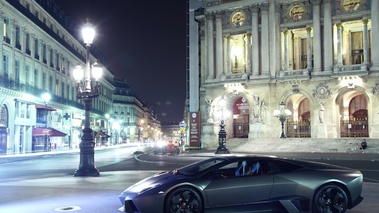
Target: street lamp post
x,y
282,113
221,149
46,97
87,93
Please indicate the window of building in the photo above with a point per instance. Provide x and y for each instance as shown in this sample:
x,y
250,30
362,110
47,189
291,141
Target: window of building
x,y
51,58
17,109
22,110
357,47
27,43
18,37
5,65
62,90
36,78
63,65
57,61
28,110
68,92
56,87
27,68
44,54
6,31
44,82
51,83
68,68
17,71
73,92
36,56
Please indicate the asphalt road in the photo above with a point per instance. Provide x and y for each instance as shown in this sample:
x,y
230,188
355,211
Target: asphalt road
x,y
45,183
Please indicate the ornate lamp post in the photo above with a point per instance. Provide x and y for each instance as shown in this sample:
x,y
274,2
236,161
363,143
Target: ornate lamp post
x,y
46,97
282,113
222,113
87,93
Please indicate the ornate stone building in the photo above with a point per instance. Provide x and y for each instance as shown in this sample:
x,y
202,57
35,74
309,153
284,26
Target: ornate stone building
x,y
39,48
319,57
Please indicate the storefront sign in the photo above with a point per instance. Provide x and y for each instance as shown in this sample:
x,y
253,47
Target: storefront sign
x,y
194,129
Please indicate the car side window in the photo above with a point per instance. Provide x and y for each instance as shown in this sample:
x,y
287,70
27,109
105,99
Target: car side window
x,y
284,166
224,171
252,167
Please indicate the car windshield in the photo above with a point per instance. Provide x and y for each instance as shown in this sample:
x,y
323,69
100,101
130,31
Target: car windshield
x,y
200,166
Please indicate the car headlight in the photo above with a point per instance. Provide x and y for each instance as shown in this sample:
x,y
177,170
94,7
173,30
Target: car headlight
x,y
141,188
161,143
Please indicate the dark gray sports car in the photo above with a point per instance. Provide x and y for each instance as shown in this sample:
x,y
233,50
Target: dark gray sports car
x,y
243,183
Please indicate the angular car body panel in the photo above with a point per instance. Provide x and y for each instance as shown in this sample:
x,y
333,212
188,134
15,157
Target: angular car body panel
x,y
252,183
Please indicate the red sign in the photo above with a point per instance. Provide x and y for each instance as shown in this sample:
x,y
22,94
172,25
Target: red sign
x,y
194,129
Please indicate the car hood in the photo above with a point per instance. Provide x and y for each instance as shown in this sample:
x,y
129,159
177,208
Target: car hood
x,y
154,181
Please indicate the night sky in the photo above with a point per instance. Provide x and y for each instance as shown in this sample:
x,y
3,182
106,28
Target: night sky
x,y
145,43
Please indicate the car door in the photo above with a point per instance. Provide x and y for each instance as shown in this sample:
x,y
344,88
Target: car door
x,y
237,190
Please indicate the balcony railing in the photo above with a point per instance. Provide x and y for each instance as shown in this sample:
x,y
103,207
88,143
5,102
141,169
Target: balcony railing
x,y
302,73
351,69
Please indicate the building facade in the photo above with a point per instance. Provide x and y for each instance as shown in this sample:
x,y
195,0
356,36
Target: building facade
x,y
38,51
131,120
318,57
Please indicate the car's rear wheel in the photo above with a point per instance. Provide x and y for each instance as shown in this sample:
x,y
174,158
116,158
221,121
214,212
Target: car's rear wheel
x,y
330,199
184,200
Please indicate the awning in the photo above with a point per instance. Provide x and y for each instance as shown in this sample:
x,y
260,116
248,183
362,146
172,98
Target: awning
x,y
51,132
39,106
100,134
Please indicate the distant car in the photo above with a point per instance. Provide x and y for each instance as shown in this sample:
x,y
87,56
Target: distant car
x,y
163,147
245,183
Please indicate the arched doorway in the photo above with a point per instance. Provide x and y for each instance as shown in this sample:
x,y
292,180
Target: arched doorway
x,y
300,126
241,118
354,122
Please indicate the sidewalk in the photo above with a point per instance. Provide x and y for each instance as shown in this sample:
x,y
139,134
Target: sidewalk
x,y
310,145
292,147
314,148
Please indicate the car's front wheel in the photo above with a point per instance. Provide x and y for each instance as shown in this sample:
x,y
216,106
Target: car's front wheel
x,y
330,199
184,200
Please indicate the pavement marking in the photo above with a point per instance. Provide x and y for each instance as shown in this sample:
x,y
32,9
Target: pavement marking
x,y
68,209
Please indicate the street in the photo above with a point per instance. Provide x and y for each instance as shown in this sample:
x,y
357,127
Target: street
x,y
46,184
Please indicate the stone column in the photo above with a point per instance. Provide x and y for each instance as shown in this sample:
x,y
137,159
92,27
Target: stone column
x,y
278,43
32,44
40,41
339,44
210,53
375,35
286,62
228,66
328,37
366,59
272,38
255,40
248,52
265,48
316,37
219,46
309,50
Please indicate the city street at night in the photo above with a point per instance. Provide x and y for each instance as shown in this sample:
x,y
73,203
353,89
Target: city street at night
x,y
45,183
